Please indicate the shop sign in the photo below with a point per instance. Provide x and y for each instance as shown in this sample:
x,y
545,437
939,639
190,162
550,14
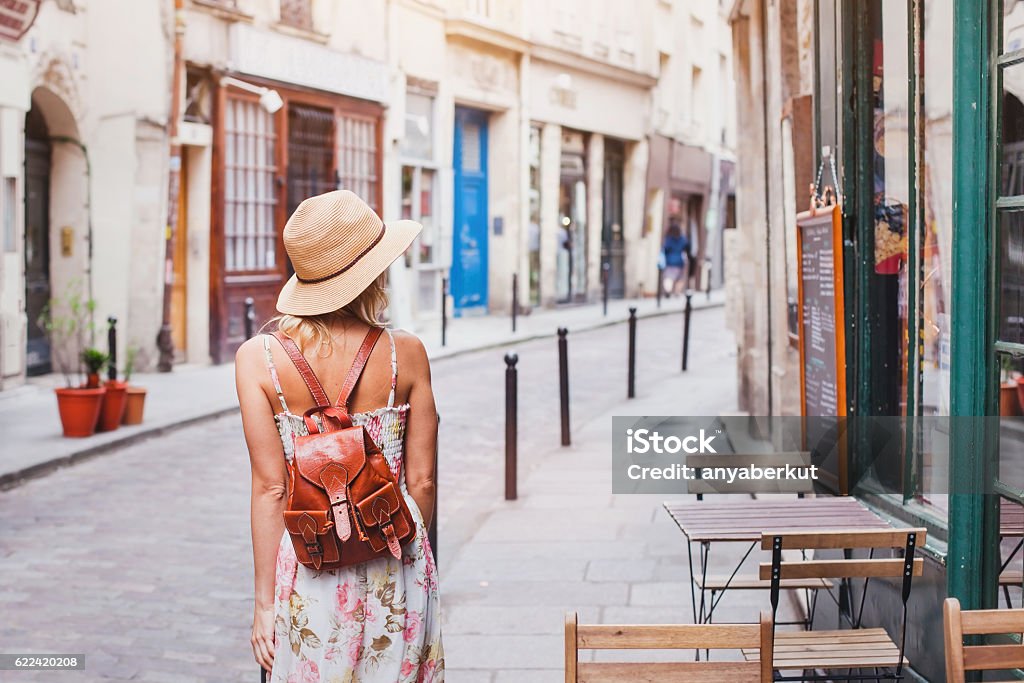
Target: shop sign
x,y
16,18
291,60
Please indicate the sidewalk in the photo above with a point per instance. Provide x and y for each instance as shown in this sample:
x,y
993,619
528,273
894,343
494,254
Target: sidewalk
x,y
568,544
33,444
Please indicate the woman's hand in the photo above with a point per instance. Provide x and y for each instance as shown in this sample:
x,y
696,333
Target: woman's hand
x,y
263,636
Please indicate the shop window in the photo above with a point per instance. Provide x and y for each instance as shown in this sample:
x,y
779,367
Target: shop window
x,y
356,137
297,13
420,200
250,199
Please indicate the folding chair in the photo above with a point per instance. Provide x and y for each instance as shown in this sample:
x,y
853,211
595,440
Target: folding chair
x,y
983,622
856,648
755,637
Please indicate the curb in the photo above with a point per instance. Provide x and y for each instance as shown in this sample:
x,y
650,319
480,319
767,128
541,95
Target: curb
x,y
10,480
490,346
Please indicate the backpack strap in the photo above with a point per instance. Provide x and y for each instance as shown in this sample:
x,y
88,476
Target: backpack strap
x,y
357,367
306,372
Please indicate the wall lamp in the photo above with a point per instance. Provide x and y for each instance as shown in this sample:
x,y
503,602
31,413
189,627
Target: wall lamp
x,y
270,100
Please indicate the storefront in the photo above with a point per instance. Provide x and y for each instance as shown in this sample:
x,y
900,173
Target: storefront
x,y
920,106
282,129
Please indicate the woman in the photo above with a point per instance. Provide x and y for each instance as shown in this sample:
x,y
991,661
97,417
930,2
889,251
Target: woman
x,y
378,621
674,251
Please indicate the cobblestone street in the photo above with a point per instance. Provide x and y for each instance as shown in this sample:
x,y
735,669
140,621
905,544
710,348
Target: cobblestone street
x,y
140,559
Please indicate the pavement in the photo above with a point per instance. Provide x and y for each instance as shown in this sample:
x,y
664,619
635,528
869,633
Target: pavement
x,y
141,559
33,444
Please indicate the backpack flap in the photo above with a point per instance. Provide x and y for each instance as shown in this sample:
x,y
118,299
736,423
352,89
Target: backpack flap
x,y
385,518
346,447
311,536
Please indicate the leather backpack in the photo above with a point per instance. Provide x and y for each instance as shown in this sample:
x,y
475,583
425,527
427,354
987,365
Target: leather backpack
x,y
344,504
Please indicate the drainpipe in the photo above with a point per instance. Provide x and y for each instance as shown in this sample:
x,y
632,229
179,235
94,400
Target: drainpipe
x,y
767,193
164,340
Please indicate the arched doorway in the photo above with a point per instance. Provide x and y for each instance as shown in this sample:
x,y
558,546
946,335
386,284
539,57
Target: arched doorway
x,y
37,238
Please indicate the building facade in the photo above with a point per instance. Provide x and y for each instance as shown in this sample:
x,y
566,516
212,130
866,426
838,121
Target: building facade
x,y
83,167
544,146
912,112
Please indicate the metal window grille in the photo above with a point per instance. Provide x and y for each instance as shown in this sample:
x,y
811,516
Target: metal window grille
x,y
249,194
357,157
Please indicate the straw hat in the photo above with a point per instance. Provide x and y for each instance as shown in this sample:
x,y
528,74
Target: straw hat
x,y
338,246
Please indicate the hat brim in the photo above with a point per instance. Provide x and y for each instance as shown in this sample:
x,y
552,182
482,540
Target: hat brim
x,y
316,298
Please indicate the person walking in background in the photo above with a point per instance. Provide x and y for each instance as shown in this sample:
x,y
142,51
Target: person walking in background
x,y
376,621
674,251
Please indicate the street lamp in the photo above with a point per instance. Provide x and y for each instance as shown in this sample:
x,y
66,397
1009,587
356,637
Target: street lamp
x,y
270,100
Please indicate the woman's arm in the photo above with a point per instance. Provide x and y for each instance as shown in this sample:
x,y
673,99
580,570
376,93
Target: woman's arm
x,y
268,490
421,431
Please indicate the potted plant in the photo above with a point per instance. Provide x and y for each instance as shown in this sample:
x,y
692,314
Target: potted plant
x,y
66,322
114,399
135,396
94,361
1009,403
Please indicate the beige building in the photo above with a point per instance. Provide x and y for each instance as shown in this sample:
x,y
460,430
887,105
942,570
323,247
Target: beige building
x,y
83,158
550,142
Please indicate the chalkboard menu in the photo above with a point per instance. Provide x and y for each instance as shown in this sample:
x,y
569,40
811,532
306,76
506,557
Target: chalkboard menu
x,y
820,290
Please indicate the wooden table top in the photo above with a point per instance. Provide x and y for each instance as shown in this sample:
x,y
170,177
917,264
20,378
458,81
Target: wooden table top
x,y
705,521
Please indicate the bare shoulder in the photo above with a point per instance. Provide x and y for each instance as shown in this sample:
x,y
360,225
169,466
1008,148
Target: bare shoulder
x,y
412,355
249,354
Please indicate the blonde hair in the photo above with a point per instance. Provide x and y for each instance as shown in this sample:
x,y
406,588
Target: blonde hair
x,y
306,330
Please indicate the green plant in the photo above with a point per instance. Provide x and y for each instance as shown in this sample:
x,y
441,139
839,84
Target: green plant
x,y
67,321
129,361
1006,368
94,359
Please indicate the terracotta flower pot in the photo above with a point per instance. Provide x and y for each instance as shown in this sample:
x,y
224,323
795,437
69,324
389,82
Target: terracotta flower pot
x,y
79,410
135,401
113,406
1009,404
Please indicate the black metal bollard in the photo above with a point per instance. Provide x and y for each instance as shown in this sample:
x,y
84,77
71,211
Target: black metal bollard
x,y
515,299
605,273
563,382
444,311
631,389
250,317
432,531
111,348
511,409
686,328
661,284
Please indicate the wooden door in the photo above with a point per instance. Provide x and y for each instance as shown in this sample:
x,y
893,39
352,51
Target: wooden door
x,y
37,239
469,261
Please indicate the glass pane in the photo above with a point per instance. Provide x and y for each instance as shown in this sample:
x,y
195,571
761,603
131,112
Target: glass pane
x,y
935,244
1011,284
418,142
1012,124
471,162
1013,25
428,238
889,286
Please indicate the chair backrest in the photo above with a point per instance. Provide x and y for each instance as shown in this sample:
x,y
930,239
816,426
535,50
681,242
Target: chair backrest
x,y
906,539
668,637
961,658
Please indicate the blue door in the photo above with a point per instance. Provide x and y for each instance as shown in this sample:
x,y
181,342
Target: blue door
x,y
469,251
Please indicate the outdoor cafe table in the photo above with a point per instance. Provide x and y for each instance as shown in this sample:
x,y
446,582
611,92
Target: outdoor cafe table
x,y
707,522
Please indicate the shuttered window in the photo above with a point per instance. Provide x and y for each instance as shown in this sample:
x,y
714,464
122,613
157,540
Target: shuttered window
x,y
357,156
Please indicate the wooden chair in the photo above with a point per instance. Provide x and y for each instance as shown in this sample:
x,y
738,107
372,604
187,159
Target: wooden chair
x,y
754,637
852,649
961,658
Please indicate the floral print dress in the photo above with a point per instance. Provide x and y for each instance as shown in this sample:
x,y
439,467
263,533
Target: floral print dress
x,y
375,622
